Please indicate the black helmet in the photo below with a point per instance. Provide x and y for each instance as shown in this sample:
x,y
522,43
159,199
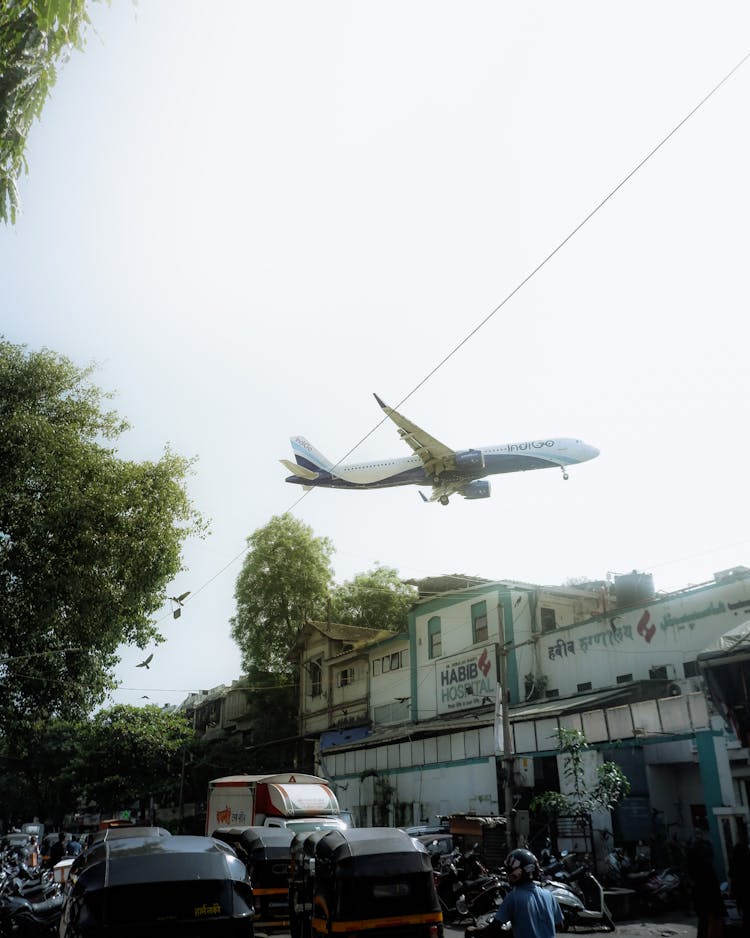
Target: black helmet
x,y
521,866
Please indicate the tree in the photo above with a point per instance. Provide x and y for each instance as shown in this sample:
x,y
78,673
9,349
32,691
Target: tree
x,y
611,783
88,541
376,600
285,580
37,783
36,36
127,754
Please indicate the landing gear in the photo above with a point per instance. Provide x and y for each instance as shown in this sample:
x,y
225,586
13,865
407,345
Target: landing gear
x,y
565,474
443,499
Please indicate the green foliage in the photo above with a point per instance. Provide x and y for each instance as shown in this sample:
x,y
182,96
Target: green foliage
x,y
611,786
126,754
88,541
284,581
36,781
36,37
375,600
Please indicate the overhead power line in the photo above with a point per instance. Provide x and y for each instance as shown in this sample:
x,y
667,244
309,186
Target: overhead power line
x,y
522,283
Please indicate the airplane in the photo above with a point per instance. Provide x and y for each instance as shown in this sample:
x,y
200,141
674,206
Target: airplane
x,y
448,471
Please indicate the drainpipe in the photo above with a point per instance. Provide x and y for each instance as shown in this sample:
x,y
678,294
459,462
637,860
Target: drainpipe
x,y
510,832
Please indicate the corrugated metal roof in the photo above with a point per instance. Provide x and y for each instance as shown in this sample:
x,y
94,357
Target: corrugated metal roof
x,y
575,704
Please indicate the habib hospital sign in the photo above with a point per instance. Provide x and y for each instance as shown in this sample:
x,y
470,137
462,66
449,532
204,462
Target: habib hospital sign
x,y
463,680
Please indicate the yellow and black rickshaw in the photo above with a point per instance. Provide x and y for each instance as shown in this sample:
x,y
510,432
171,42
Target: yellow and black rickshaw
x,y
265,852
373,882
301,879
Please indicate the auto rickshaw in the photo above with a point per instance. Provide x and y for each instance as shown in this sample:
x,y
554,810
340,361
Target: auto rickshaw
x,y
265,852
301,879
373,882
159,887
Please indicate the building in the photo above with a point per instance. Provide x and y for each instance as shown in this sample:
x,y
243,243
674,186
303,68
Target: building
x,y
412,725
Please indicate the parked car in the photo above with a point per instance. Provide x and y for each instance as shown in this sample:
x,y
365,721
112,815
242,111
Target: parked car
x,y
437,844
159,887
14,841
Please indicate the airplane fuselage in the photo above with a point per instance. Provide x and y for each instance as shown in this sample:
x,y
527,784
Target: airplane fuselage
x,y
409,470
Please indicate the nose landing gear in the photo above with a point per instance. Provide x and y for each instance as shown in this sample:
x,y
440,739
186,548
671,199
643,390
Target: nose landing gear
x,y
565,474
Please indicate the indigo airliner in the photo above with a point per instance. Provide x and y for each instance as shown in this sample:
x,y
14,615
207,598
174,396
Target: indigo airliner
x,y
447,471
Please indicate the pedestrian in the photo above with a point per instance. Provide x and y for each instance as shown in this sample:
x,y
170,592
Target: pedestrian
x,y
74,847
739,880
706,891
31,852
57,850
532,912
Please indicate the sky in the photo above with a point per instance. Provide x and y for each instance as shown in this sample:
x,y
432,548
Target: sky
x,y
254,215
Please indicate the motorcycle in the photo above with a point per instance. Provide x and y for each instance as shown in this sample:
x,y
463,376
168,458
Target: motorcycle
x,y
465,887
656,890
24,919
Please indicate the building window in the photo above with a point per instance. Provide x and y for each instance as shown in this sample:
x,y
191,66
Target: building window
x,y
479,631
345,678
548,619
392,662
584,687
690,668
552,693
658,672
624,678
315,670
396,712
434,638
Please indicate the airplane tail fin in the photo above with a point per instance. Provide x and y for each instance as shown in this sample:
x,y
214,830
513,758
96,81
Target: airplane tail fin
x,y
308,457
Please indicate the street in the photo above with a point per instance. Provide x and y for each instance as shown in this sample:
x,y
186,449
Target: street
x,y
670,925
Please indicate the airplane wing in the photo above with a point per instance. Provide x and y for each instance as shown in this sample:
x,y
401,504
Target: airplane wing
x,y
436,456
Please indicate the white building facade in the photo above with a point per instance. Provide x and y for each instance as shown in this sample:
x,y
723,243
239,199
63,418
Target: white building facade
x,y
620,664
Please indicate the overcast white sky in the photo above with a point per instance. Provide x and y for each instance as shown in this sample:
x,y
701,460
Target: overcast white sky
x,y
253,215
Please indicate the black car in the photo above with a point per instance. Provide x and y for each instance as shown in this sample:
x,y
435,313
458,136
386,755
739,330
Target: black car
x,y
15,842
170,887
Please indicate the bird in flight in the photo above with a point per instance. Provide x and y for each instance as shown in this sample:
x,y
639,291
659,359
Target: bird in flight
x,y
145,663
176,613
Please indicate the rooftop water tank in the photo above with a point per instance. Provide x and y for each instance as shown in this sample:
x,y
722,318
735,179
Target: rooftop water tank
x,y
634,589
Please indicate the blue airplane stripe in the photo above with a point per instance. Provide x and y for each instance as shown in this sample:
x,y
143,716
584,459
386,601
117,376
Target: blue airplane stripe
x,y
307,463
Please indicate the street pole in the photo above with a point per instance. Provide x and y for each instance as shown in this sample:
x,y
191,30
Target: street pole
x,y
510,827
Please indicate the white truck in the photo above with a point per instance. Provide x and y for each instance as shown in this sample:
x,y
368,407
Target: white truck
x,y
290,799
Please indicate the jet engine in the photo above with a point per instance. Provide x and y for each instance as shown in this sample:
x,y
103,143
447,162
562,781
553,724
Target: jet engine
x,y
470,459
480,488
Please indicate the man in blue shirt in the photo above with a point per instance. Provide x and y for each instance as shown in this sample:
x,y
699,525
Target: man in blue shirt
x,y
532,912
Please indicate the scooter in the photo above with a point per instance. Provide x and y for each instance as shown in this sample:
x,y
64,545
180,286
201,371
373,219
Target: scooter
x,y
582,905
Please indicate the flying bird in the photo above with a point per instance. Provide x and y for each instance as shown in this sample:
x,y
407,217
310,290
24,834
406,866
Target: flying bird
x,y
176,613
145,663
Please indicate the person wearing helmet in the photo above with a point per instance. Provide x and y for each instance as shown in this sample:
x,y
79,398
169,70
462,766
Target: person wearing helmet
x,y
531,911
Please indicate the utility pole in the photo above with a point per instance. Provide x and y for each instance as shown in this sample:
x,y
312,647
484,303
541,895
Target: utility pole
x,y
510,827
